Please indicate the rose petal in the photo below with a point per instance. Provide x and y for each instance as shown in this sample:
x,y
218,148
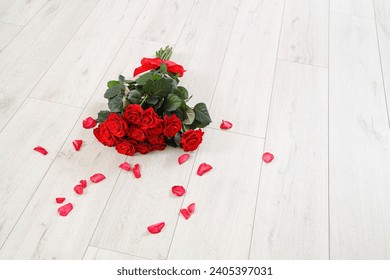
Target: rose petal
x,y
268,157
178,190
226,125
183,158
96,178
137,171
41,150
60,199
125,166
83,183
89,123
186,214
156,228
191,208
79,189
64,210
203,168
77,144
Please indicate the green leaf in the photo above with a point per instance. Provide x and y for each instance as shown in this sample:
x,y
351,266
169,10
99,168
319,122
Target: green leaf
x,y
177,138
190,117
113,91
110,84
152,100
121,79
163,68
143,78
147,87
202,114
115,104
102,116
159,104
134,97
183,92
172,103
162,87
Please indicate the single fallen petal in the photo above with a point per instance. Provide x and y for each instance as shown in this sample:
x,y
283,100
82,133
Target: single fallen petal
x,y
96,178
226,125
178,190
125,166
89,123
203,168
64,210
186,214
268,157
77,144
41,150
78,189
183,158
60,199
83,183
191,208
137,171
156,228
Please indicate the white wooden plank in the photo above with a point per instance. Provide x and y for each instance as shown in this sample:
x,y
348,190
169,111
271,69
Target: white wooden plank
x,y
19,11
225,198
304,36
292,208
36,123
50,235
162,20
31,53
85,59
360,8
94,253
7,33
245,83
359,142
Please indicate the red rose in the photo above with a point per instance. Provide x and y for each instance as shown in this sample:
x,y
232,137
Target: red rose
x,y
143,148
172,125
104,136
133,114
157,129
174,68
136,134
126,148
117,125
156,140
147,64
149,118
191,139
159,147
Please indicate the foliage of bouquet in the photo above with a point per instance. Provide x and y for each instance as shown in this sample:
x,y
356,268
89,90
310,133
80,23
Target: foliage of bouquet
x,y
151,112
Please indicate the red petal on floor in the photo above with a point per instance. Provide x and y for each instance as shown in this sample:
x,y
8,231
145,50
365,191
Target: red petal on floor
x,y
183,158
268,157
60,199
191,208
89,123
203,168
226,125
137,171
96,178
186,214
156,228
178,190
83,183
41,150
64,210
125,166
77,144
79,189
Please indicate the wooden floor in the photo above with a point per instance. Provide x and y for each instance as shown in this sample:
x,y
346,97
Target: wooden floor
x,y
308,80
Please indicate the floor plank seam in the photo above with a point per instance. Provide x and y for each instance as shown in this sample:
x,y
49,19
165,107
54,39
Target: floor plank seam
x,y
328,135
185,22
19,25
349,15
238,133
308,64
119,252
54,102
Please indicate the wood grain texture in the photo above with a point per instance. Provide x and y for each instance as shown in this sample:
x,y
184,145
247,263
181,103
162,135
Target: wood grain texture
x,y
304,37
360,8
75,74
359,142
22,169
94,253
162,20
50,235
30,54
7,33
292,209
245,82
19,11
225,199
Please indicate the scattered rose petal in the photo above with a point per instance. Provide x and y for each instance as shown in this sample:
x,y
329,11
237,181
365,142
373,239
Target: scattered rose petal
x,y
79,189
125,166
156,228
191,208
178,190
89,123
226,125
64,210
203,168
268,157
77,144
137,171
41,150
60,199
96,178
83,183
186,214
183,158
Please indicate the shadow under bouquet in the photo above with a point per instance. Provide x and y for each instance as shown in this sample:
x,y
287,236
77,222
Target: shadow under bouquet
x,y
151,111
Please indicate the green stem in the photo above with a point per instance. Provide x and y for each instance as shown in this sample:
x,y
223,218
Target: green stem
x,y
143,101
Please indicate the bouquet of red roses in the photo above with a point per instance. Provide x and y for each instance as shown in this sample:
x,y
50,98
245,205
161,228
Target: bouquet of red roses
x,y
151,112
